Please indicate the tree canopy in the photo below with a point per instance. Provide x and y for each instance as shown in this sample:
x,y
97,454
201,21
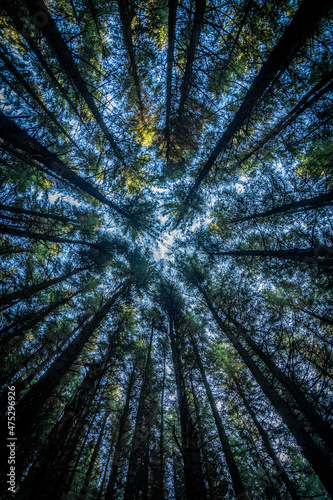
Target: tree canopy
x,y
167,249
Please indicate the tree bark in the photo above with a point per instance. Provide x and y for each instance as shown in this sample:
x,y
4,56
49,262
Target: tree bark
x,y
125,18
29,406
186,84
66,61
170,56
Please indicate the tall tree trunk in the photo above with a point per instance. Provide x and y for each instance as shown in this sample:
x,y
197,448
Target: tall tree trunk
x,y
194,477
186,84
18,138
66,433
123,6
34,213
202,442
29,406
303,24
321,256
29,291
237,482
32,319
40,103
324,86
306,203
320,461
111,487
137,473
291,489
318,424
85,488
66,61
170,56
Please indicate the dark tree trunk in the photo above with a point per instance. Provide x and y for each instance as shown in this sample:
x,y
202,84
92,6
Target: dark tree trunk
x,y
18,138
40,103
318,424
85,488
136,481
66,61
186,84
321,255
319,90
237,482
29,291
308,204
320,461
194,478
125,18
116,461
29,406
31,319
170,57
33,213
294,37
60,445
291,489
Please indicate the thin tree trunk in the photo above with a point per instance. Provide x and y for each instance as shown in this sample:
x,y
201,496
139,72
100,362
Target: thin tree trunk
x,y
186,84
291,489
85,488
33,213
321,255
136,474
319,90
29,406
123,6
308,203
237,482
18,138
29,291
194,478
40,103
66,61
111,487
318,425
320,461
303,24
31,319
170,56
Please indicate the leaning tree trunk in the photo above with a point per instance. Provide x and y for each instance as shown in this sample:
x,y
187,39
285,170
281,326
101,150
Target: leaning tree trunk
x,y
170,56
186,84
306,203
194,477
27,409
291,489
29,291
18,138
318,424
320,461
136,474
296,34
121,439
60,50
236,479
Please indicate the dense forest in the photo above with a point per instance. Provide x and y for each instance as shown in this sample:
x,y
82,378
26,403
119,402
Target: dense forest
x,y
167,249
